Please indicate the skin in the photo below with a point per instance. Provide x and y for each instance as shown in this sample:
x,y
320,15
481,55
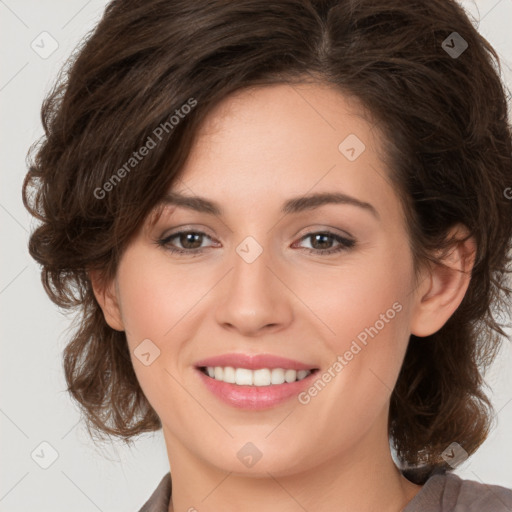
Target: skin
x,y
258,148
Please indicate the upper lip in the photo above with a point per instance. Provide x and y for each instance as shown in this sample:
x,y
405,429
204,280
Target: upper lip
x,y
253,362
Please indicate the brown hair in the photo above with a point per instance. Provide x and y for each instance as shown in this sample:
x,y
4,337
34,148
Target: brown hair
x,y
448,138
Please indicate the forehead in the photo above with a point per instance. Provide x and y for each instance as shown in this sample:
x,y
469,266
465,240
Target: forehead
x,y
262,146
283,116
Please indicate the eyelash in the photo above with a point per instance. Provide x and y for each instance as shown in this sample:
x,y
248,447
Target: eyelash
x,y
345,243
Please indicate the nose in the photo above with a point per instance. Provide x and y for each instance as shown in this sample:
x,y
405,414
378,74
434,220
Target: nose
x,y
254,299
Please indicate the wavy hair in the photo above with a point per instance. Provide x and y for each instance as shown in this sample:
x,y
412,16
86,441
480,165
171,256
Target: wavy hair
x,y
448,147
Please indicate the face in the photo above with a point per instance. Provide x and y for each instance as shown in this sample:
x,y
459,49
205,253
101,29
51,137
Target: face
x,y
328,286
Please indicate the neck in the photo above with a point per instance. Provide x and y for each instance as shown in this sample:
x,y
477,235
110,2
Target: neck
x,y
364,478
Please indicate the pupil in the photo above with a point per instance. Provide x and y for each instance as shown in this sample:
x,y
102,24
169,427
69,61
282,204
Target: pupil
x,y
189,239
325,243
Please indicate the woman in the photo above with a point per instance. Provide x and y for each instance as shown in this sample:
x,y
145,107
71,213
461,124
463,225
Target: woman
x,y
286,228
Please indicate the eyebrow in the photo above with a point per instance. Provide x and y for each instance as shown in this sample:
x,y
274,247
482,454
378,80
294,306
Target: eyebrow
x,y
293,205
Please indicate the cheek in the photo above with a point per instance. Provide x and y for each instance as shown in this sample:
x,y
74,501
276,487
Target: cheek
x,y
364,311
351,298
154,299
152,303
370,325
161,303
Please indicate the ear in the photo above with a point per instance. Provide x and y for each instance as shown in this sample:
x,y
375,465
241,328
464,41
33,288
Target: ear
x,y
444,288
107,298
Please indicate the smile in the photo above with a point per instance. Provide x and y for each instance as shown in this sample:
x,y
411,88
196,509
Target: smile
x,y
257,377
255,381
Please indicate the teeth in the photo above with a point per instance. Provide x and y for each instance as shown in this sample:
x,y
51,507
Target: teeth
x,y
260,377
229,375
302,373
243,377
277,376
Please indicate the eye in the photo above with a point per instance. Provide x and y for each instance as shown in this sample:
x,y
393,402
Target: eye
x,y
191,242
322,243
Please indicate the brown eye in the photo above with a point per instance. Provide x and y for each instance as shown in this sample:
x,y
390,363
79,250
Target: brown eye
x,y
322,243
184,242
189,240
191,243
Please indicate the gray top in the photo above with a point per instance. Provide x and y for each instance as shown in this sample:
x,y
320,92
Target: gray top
x,y
440,493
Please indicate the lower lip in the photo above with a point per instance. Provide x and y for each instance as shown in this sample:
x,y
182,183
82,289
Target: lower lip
x,y
254,397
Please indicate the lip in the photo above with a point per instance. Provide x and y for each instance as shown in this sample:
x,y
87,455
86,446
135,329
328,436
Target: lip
x,y
254,397
254,362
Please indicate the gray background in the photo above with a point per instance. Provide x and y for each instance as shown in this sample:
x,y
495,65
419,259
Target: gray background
x,y
34,406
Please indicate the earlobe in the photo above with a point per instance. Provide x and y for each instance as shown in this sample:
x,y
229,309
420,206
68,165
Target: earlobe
x,y
106,296
447,286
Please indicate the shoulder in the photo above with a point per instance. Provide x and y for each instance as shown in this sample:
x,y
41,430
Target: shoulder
x,y
161,497
448,492
475,495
